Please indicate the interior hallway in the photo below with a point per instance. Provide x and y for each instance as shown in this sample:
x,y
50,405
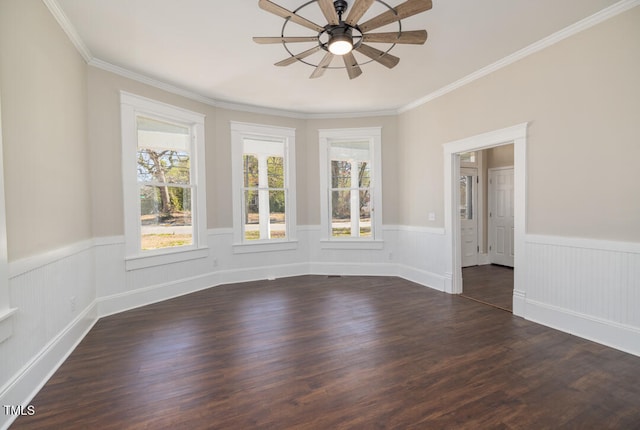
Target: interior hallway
x,y
490,284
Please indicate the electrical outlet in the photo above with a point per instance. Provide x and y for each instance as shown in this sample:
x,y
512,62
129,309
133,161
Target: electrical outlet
x,y
72,303
390,256
215,262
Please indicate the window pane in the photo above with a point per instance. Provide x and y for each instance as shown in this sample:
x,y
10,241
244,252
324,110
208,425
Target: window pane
x,y
165,217
340,174
358,150
160,135
340,213
468,157
250,163
365,216
275,172
171,167
466,197
364,175
251,215
277,216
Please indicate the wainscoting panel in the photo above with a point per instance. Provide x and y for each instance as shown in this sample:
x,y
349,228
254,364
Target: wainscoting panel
x,y
420,255
54,297
586,287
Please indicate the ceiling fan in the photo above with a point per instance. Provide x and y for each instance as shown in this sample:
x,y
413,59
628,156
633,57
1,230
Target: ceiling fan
x,y
340,37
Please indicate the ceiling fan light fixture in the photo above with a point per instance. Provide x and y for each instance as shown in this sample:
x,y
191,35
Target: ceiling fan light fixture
x,y
340,46
337,36
341,41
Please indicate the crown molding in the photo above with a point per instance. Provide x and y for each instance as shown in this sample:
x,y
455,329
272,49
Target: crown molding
x,y
144,79
68,28
548,41
100,64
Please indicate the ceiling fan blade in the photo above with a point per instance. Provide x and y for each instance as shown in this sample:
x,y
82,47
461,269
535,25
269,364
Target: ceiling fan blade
x,y
381,57
402,11
285,13
359,8
417,37
353,69
329,11
322,66
263,40
297,57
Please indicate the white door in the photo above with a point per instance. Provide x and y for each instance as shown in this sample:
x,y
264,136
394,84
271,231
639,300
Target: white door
x,y
468,216
501,231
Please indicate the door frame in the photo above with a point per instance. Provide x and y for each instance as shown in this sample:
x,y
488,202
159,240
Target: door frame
x,y
517,135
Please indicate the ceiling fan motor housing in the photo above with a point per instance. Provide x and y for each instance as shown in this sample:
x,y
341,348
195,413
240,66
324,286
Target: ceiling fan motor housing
x,y
341,6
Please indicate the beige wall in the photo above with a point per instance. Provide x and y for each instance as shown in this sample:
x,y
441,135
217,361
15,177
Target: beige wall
x,y
44,127
581,98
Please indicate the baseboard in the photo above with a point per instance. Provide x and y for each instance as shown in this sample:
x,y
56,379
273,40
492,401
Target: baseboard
x,y
519,303
353,269
145,296
618,336
422,277
483,259
32,377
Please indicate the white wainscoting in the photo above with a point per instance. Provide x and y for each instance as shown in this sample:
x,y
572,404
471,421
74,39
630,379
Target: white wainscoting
x,y
54,294
590,288
585,287
419,255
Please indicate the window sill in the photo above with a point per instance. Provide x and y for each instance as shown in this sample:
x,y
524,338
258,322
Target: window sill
x,y
143,261
351,244
247,248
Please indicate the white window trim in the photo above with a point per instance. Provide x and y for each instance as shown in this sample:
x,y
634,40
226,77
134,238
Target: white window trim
x,y
374,136
240,130
132,105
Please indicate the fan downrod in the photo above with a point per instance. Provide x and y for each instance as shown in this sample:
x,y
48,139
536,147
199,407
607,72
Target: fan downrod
x,y
341,6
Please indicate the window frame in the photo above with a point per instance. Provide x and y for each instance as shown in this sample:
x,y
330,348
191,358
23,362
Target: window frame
x,y
131,107
373,135
286,135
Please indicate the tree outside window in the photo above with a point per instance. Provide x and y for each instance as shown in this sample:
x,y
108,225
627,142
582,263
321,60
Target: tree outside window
x,y
350,189
164,179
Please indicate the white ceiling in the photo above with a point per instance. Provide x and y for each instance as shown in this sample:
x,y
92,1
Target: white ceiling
x,y
206,47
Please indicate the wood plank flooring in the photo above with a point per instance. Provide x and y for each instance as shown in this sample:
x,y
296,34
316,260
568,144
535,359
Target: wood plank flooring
x,y
490,284
317,352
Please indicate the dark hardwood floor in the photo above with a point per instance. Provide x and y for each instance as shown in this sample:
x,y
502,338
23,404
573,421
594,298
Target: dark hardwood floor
x,y
317,352
490,284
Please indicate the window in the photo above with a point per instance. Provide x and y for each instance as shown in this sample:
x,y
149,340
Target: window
x,y
350,186
264,186
163,177
468,158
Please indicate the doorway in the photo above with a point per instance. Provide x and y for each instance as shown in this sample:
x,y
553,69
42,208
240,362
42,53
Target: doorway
x,y
486,205
515,135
